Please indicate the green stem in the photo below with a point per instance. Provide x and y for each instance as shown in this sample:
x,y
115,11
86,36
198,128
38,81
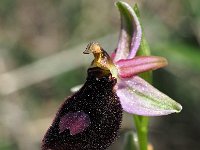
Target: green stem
x,y
141,124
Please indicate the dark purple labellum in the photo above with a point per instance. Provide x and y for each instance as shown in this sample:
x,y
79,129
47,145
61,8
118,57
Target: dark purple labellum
x,y
88,120
76,122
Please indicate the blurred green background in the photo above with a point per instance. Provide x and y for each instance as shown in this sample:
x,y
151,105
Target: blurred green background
x,y
41,45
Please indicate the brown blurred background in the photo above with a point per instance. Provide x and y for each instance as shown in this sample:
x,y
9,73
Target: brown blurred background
x,y
41,45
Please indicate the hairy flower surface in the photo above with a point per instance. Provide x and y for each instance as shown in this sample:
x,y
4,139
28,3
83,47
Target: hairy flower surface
x,y
89,119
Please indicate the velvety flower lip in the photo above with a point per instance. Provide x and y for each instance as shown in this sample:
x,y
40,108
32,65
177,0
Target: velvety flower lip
x,y
90,118
76,122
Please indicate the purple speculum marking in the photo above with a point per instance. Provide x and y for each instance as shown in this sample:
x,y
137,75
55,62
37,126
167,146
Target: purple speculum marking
x,y
76,122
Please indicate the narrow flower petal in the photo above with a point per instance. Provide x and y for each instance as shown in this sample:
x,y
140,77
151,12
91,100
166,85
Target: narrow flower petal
x,y
130,67
131,32
139,97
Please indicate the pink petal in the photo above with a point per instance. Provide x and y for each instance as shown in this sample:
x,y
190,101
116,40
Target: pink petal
x,y
112,55
76,122
139,97
130,67
137,33
129,41
123,46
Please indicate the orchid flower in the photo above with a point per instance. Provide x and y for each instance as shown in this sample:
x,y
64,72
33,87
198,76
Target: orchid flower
x,y
90,119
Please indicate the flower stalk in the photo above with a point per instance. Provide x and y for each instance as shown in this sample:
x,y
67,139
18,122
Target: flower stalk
x,y
141,125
